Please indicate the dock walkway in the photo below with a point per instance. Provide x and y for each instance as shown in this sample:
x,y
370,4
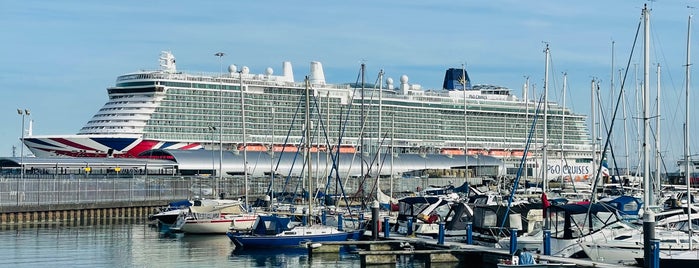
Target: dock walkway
x,y
386,250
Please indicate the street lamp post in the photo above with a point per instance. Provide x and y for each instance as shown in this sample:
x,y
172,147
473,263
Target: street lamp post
x,y
21,112
220,130
213,158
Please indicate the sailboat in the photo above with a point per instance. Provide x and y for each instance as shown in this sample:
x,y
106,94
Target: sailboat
x,y
279,231
687,257
213,216
673,244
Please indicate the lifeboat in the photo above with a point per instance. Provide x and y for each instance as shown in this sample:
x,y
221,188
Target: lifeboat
x,y
318,148
452,151
499,153
346,149
520,153
285,148
253,147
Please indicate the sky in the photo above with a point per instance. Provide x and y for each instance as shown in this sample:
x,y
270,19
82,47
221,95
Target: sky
x,y
58,57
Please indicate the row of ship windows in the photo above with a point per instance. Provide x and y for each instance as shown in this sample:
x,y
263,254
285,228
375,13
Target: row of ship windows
x,y
130,96
201,96
191,95
503,107
236,138
187,90
190,101
487,116
454,123
263,129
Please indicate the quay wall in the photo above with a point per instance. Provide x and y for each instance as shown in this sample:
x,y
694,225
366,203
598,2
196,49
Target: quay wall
x,y
77,213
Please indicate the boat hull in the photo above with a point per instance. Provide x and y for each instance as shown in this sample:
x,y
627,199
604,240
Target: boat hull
x,y
218,226
250,241
295,237
99,145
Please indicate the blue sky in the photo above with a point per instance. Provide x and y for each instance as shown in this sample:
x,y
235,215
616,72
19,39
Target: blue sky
x,y
58,57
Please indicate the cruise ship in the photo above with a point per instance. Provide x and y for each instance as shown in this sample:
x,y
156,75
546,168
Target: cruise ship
x,y
169,109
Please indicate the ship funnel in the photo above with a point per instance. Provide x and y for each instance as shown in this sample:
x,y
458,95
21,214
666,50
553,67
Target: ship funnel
x,y
456,79
287,71
317,76
167,62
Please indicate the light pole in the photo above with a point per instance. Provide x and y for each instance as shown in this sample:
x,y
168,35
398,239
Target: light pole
x,y
220,118
213,158
21,112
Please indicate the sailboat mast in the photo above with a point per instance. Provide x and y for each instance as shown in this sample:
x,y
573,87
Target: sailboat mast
x,y
271,162
245,144
646,112
379,163
611,111
687,175
656,186
563,127
611,87
463,83
311,192
393,156
544,156
220,124
361,133
648,214
594,133
626,131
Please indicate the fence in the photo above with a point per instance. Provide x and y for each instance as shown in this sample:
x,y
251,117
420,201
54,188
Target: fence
x,y
81,189
62,189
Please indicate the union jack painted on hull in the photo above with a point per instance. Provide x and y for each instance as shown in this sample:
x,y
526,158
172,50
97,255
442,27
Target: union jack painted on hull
x,y
97,146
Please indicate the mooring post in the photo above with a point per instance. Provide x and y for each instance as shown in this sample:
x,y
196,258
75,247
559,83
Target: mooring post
x,y
513,241
304,217
654,261
339,221
469,233
440,241
375,220
547,242
386,227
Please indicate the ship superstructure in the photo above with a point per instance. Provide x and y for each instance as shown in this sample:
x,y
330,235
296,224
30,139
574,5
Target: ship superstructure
x,y
169,109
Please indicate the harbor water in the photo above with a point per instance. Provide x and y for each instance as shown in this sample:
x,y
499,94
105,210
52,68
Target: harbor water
x,y
137,244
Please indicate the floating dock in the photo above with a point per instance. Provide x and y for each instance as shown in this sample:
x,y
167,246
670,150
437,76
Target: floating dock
x,y
385,251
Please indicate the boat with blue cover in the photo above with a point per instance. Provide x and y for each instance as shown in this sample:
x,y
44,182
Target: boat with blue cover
x,y
279,231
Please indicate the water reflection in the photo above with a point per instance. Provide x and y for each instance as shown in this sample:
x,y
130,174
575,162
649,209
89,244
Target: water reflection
x,y
135,244
293,257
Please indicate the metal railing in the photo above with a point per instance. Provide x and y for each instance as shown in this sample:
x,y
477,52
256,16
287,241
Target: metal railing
x,y
38,190
80,189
